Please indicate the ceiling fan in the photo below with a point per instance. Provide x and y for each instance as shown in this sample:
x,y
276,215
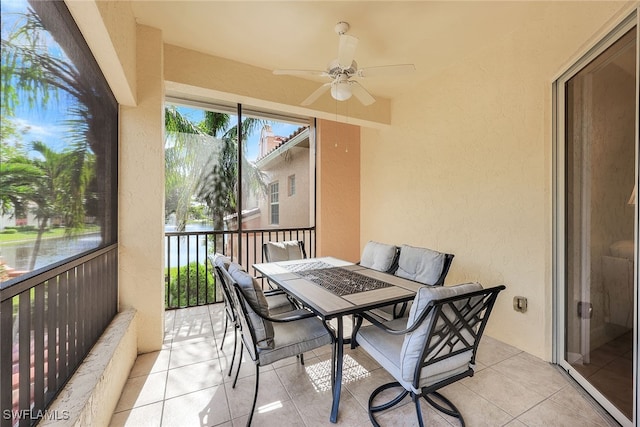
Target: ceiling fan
x,y
343,70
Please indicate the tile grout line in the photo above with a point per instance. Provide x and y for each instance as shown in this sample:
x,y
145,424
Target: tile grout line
x,y
166,378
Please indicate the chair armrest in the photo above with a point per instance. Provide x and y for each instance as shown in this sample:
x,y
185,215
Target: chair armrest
x,y
410,328
281,318
271,292
290,317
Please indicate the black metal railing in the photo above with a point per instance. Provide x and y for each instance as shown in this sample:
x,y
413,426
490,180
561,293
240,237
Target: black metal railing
x,y
190,279
48,324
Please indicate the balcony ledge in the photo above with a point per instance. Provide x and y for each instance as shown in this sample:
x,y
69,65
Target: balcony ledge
x,y
91,395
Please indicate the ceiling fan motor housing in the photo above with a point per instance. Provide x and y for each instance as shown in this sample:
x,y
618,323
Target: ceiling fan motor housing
x,y
341,27
334,69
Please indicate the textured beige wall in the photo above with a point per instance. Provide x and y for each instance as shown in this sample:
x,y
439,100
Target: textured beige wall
x,y
338,190
141,195
109,28
294,210
466,166
198,76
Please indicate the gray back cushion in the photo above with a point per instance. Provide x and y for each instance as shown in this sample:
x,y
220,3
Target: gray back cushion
x,y
415,341
378,256
420,264
221,261
283,251
252,291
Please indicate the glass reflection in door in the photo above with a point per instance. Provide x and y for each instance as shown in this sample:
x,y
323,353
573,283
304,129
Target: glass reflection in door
x,y
600,117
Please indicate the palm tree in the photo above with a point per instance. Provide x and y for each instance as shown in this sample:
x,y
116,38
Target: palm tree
x,y
214,181
52,193
31,73
186,151
17,178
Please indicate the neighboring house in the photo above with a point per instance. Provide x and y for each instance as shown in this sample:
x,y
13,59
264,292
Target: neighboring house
x,y
287,163
13,220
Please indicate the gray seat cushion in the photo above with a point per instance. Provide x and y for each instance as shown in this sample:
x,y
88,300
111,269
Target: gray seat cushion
x,y
296,337
263,328
382,346
420,264
283,251
378,256
400,355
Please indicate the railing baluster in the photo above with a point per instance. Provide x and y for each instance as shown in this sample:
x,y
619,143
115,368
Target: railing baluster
x,y
197,269
177,304
72,309
167,279
52,338
6,359
38,337
24,347
62,326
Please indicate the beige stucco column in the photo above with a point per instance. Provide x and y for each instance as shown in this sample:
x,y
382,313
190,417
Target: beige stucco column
x,y
141,194
338,190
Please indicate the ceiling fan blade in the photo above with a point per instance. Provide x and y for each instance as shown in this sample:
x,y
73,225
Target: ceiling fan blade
x,y
386,70
316,94
347,50
300,73
361,93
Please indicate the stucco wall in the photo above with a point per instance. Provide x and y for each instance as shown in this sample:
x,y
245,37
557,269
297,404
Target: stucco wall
x,y
110,31
338,190
294,209
466,166
141,195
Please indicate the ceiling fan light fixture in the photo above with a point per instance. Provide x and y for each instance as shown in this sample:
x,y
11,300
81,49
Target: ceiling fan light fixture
x,y
343,72
341,91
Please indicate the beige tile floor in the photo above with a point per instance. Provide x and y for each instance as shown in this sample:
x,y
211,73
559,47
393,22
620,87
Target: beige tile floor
x,y
186,384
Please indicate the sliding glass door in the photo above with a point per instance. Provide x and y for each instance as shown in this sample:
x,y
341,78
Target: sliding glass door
x,y
596,221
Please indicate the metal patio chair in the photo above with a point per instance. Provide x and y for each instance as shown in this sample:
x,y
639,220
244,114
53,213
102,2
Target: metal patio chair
x,y
283,251
268,337
276,300
380,256
422,265
434,347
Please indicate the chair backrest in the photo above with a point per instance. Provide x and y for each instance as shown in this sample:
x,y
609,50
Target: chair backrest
x,y
423,265
380,256
450,321
284,251
221,264
254,327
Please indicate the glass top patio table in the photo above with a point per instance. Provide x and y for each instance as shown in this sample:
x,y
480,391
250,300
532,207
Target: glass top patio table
x,y
333,288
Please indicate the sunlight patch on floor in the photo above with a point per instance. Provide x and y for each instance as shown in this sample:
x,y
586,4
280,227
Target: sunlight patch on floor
x,y
270,407
320,373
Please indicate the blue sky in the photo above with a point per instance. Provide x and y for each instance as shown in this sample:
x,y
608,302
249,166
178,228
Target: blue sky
x,y
47,123
44,123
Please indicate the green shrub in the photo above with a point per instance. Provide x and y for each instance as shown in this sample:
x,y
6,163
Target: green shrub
x,y
8,230
193,278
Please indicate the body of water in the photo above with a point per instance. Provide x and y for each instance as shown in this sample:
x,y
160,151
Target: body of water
x,y
18,254
179,252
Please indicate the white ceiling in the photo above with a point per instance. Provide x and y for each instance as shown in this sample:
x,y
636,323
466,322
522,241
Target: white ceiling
x,y
300,34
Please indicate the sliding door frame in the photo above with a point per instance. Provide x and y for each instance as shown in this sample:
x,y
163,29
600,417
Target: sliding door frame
x,y
608,38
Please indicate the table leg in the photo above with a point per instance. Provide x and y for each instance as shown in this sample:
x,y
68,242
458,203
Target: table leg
x,y
339,353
